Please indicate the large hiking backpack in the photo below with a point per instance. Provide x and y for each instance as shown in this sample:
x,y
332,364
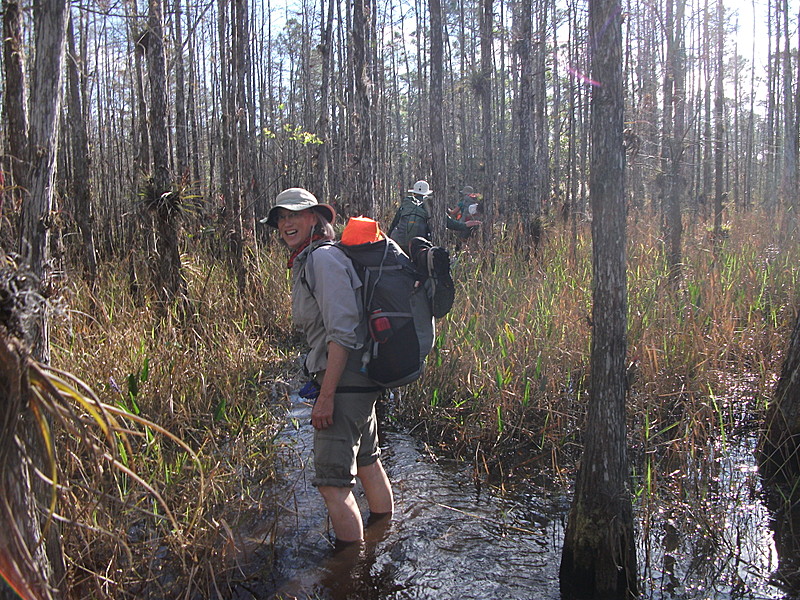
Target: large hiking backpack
x,y
398,312
400,298
410,221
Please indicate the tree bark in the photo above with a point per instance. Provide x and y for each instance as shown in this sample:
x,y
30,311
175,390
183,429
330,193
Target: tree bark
x,y
779,447
15,100
364,201
323,155
599,554
181,122
81,177
485,95
524,26
50,20
675,185
20,528
37,209
165,202
719,127
239,158
789,173
438,152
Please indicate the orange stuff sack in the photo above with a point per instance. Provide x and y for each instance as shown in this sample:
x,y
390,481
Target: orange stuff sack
x,y
361,230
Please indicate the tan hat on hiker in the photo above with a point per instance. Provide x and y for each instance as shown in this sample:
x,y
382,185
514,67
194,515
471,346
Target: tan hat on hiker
x,y
297,199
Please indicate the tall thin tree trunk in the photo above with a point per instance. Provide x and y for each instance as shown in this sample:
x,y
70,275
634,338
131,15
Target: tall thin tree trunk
x,y
15,101
525,186
667,115
171,285
541,135
181,123
770,142
789,174
364,201
323,123
485,95
142,133
599,554
239,120
556,185
81,178
50,24
227,148
719,125
438,154
748,169
676,184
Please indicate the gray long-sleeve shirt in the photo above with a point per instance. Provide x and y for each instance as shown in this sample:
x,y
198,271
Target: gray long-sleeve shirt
x,y
327,306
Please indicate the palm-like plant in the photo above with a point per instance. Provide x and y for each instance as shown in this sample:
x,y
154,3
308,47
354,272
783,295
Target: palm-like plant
x,y
48,417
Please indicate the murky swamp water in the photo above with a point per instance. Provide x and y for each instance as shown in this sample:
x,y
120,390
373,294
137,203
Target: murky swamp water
x,y
450,539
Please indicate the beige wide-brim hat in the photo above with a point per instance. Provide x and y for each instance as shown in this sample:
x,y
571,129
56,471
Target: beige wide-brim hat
x,y
297,199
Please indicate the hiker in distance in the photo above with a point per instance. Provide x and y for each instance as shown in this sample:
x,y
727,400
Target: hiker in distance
x,y
326,305
411,218
461,211
467,211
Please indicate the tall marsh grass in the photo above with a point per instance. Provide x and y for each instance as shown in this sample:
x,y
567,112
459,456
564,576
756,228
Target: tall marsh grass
x,y
216,381
509,378
506,385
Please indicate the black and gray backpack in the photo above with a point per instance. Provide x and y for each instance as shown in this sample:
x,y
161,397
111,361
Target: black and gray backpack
x,y
400,300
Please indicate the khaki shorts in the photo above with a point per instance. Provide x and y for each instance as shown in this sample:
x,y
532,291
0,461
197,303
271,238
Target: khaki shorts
x,y
352,441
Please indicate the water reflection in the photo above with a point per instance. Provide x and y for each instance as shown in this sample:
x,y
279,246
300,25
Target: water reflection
x,y
708,529
785,525
703,532
446,540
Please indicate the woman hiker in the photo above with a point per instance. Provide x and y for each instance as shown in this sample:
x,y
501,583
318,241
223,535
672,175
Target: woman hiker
x,y
326,305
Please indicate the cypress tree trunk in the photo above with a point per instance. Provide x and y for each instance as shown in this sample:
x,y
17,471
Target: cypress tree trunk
x,y
15,100
438,153
719,128
524,25
676,183
363,200
485,95
599,554
81,177
50,23
181,123
779,447
238,118
164,202
323,155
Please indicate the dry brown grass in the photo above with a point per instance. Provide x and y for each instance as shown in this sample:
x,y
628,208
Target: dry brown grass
x,y
506,385
509,381
215,381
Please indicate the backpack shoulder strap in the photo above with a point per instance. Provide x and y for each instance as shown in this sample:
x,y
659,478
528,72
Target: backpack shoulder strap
x,y
316,245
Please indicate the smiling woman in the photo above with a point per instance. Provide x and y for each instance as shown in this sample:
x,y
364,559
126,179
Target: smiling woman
x,y
297,214
295,227
327,307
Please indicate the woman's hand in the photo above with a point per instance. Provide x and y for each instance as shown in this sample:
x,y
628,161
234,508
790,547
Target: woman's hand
x,y
322,413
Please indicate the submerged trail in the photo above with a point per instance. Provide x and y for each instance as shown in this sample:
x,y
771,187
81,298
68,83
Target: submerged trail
x,y
447,538
707,535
